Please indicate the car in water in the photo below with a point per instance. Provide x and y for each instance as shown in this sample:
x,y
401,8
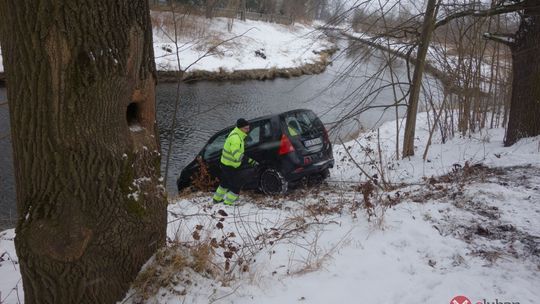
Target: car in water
x,y
289,147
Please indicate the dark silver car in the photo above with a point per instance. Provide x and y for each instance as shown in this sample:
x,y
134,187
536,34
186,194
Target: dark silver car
x,y
289,147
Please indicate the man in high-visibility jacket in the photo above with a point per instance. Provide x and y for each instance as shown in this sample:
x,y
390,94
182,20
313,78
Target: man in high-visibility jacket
x,y
232,157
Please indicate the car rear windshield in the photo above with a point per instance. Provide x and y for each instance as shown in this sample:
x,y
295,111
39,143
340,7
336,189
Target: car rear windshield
x,y
303,124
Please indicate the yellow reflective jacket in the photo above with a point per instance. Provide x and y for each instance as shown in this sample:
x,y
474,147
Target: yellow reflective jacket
x,y
233,149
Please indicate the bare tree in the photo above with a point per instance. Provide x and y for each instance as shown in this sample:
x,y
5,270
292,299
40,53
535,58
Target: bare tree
x,y
87,159
243,10
524,118
410,124
233,6
524,108
210,5
524,44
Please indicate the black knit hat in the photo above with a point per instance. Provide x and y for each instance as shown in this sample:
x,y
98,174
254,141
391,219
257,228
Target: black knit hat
x,y
240,123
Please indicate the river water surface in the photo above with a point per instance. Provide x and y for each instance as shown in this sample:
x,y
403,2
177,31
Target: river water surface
x,y
206,107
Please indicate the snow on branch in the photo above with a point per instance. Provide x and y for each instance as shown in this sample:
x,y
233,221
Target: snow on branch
x,y
506,39
496,10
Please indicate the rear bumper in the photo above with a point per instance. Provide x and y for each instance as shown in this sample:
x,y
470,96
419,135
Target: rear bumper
x,y
311,169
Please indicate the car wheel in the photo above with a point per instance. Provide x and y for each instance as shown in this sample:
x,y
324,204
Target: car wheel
x,y
325,173
181,185
272,182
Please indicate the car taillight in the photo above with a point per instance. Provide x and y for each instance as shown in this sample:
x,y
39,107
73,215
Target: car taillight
x,y
285,145
326,135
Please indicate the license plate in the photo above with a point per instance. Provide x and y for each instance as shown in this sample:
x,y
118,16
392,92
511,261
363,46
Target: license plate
x,y
313,142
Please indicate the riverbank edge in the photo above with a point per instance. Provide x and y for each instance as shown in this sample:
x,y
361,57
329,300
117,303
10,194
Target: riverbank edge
x,y
316,67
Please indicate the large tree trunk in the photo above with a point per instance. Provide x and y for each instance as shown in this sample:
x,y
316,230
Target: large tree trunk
x,y
80,84
524,120
414,94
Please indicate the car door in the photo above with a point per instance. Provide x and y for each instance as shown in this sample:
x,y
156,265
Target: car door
x,y
256,147
211,153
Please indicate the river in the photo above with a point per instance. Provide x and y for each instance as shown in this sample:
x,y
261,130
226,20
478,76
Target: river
x,y
206,107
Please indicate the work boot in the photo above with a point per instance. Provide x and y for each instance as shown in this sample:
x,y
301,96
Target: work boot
x,y
230,198
219,195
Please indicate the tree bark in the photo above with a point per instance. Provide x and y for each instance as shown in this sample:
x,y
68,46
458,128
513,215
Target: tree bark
x,y
80,83
524,119
410,123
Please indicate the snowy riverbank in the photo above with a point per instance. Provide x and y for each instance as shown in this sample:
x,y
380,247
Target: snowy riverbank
x,y
249,45
250,50
464,222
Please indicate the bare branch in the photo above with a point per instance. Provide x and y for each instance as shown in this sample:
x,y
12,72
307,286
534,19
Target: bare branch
x,y
506,39
359,166
496,10
213,48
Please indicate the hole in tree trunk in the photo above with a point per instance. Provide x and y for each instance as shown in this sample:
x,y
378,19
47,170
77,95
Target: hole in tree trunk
x,y
133,117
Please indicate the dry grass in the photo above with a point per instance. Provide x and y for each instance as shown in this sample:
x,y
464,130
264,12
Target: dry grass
x,y
368,190
163,271
184,21
219,254
171,267
215,45
323,207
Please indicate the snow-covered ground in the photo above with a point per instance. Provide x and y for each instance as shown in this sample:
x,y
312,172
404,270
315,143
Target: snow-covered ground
x,y
463,222
484,147
282,46
209,46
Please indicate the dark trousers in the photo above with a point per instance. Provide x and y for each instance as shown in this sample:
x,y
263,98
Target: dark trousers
x,y
231,178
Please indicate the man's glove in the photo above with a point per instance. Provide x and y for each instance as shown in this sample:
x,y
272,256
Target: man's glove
x,y
253,162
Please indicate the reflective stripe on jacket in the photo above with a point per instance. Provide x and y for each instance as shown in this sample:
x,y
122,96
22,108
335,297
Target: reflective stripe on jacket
x,y
233,149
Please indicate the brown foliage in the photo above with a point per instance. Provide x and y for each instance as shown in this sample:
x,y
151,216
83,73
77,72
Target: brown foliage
x,y
203,180
368,190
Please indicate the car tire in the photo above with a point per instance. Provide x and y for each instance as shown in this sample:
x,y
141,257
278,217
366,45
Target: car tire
x,y
272,182
325,173
181,185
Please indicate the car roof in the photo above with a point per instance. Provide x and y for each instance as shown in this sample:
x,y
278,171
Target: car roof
x,y
263,118
274,115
